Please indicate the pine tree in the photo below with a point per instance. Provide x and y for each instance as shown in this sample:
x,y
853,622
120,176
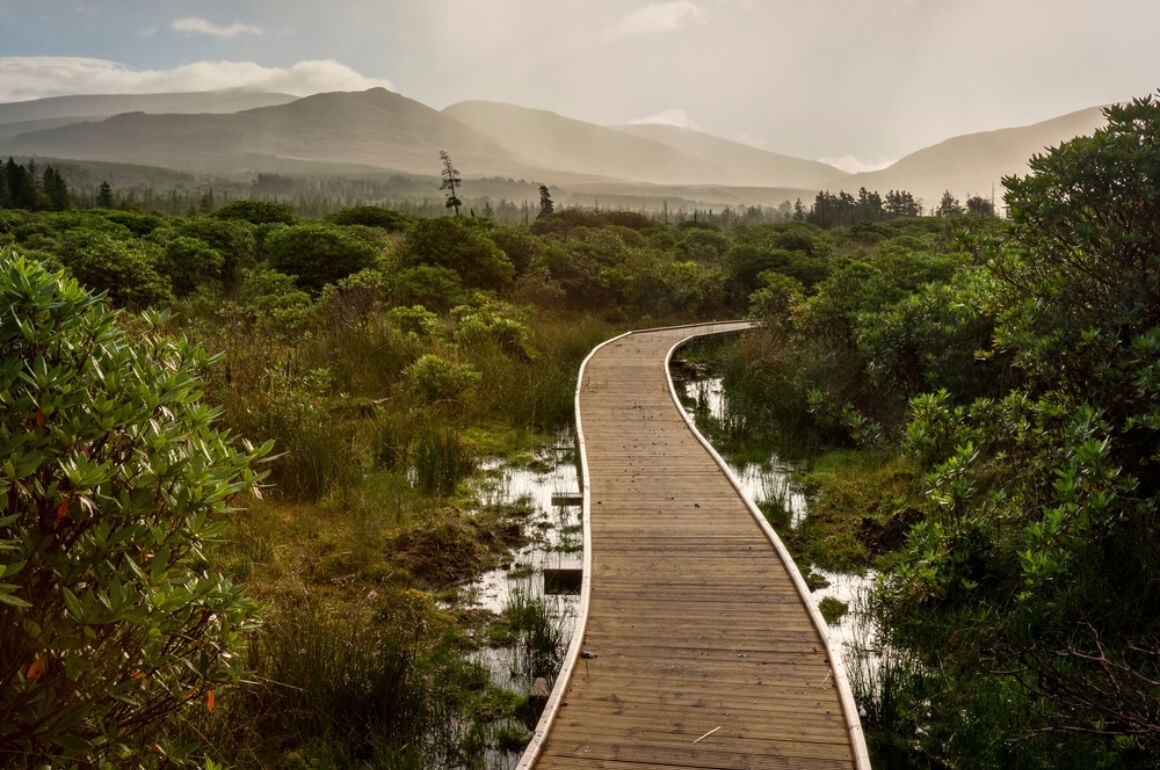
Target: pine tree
x,y
21,187
546,205
451,180
105,196
55,190
949,206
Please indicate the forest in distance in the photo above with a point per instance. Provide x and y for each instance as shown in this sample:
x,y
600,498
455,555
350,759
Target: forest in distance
x,y
238,436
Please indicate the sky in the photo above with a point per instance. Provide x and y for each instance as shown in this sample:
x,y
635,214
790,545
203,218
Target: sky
x,y
858,83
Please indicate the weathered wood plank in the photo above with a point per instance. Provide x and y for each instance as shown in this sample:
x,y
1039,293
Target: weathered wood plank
x,y
702,651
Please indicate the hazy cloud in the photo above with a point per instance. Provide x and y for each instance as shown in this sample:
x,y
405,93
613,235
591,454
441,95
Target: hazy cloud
x,y
656,18
678,118
34,77
198,26
856,165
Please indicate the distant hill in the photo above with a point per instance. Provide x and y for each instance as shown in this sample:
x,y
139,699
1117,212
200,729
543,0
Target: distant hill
x,y
545,140
676,197
736,163
81,107
972,163
9,130
375,128
238,133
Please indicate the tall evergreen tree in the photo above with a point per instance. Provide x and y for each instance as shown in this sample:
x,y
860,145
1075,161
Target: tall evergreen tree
x,y
55,190
546,205
21,188
949,206
451,180
980,206
105,196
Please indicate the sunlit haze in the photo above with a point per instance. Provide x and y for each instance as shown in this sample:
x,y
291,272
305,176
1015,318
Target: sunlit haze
x,y
856,82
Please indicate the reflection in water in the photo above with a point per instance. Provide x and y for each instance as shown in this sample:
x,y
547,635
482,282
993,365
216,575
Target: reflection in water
x,y
770,484
548,487
765,483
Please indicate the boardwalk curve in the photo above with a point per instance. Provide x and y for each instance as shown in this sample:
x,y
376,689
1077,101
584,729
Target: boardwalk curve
x,y
696,646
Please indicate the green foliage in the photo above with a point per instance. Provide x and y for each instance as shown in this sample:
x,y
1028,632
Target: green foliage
x,y
1038,546
317,254
105,196
346,691
190,263
123,268
113,481
439,381
832,610
520,246
1082,284
703,245
541,642
453,244
415,319
234,239
135,222
258,212
437,288
370,216
493,322
274,303
777,299
937,337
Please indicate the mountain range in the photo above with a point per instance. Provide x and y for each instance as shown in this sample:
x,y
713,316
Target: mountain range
x,y
242,132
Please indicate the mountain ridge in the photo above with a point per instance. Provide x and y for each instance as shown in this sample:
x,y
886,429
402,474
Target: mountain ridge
x,y
82,106
975,163
379,129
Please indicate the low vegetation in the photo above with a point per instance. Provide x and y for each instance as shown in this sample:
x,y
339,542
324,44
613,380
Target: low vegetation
x,y
981,406
974,400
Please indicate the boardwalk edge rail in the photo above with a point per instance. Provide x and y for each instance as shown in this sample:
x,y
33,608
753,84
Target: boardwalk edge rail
x,y
552,707
841,681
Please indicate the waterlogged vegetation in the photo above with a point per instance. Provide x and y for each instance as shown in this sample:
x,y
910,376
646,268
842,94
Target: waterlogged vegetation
x,y
977,407
971,404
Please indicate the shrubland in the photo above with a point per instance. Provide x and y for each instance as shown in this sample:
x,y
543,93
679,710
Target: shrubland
x,y
974,400
1002,376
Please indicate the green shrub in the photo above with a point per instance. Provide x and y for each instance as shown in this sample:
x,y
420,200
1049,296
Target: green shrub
x,y
258,212
122,267
113,478
439,380
450,243
317,254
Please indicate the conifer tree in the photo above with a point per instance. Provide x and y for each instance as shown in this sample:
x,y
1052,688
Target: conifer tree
x,y
451,180
105,196
546,205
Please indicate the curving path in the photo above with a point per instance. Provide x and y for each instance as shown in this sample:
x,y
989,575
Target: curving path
x,y
696,647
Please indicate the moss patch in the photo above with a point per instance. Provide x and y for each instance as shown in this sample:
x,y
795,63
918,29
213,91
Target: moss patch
x,y
832,610
860,505
452,546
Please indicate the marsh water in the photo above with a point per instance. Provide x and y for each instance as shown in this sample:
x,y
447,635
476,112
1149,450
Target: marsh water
x,y
548,487
772,482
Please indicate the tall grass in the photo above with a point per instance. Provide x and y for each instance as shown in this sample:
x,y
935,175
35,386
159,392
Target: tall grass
x,y
539,637
340,680
537,392
368,690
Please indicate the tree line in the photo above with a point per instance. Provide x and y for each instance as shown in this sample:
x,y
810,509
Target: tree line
x,y
33,189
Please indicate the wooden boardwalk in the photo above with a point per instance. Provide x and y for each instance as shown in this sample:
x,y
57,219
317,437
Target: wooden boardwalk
x,y
695,646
